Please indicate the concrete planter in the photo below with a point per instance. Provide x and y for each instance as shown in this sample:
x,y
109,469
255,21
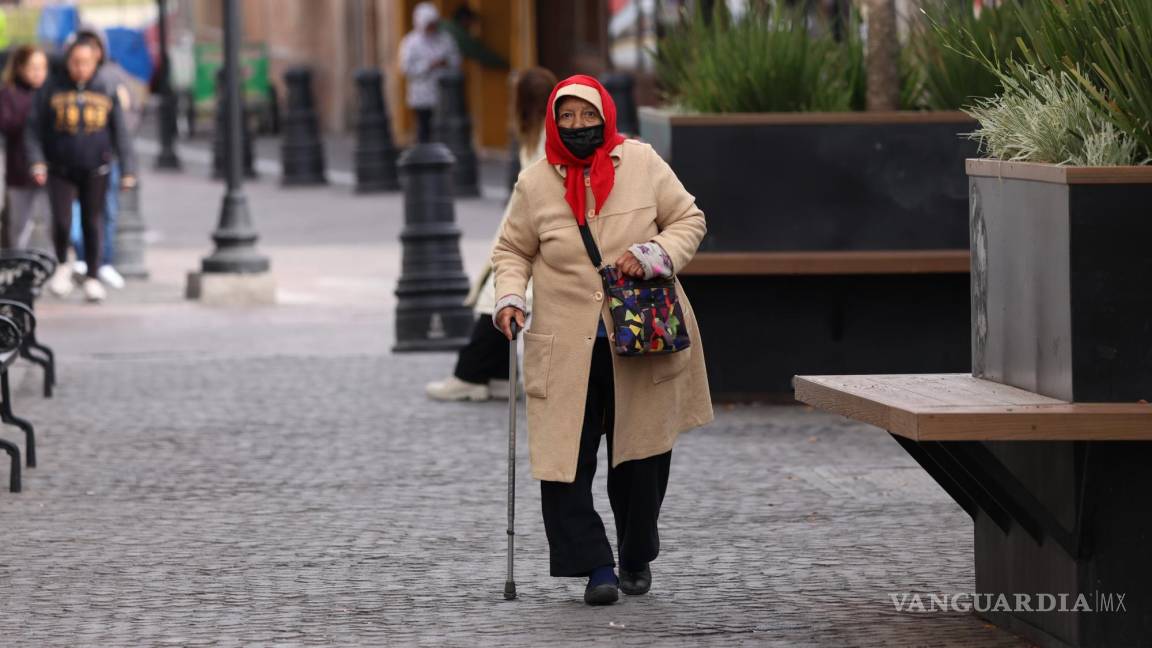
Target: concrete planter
x,y
1060,263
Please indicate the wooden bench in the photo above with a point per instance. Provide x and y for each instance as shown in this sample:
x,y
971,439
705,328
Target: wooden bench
x,y
829,262
1056,490
959,407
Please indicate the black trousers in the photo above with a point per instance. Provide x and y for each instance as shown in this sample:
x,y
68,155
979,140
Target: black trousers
x,y
89,187
577,542
423,124
485,357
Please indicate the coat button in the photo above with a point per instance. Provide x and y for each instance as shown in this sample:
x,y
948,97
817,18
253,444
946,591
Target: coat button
x,y
597,295
587,182
591,213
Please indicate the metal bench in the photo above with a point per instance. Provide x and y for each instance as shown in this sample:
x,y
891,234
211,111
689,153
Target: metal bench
x,y
22,276
10,343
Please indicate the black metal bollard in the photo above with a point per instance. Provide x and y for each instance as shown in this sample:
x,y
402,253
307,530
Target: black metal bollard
x,y
375,153
453,127
219,150
130,232
622,88
430,310
301,149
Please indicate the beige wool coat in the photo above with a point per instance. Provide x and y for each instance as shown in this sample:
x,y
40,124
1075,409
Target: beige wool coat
x,y
656,397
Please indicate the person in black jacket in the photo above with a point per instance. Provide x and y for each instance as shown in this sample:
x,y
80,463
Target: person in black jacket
x,y
75,130
26,202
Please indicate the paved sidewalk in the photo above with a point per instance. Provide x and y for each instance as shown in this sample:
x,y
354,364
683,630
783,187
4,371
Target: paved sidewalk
x,y
275,477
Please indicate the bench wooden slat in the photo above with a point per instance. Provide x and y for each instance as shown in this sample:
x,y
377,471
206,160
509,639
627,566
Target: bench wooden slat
x,y
830,262
959,407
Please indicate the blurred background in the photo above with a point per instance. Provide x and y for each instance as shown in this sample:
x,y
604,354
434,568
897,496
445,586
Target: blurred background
x,y
337,37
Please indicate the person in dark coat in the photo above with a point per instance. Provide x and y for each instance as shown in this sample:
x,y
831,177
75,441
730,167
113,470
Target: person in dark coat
x,y
75,131
26,202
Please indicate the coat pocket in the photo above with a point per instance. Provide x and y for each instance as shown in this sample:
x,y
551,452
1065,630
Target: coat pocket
x,y
669,365
537,361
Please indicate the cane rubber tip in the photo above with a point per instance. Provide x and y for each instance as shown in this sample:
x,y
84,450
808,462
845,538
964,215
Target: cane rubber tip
x,y
509,591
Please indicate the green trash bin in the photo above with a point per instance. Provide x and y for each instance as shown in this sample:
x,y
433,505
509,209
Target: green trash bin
x,y
258,93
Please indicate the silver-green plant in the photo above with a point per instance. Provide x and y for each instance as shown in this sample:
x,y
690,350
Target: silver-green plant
x,y
1050,116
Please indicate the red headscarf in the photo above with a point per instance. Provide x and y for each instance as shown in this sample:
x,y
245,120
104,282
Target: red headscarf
x,y
603,174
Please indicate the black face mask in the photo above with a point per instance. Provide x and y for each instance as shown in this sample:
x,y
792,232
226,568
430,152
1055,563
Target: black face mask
x,y
583,142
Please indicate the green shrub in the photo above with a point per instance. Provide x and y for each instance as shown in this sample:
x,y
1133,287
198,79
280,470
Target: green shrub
x,y
768,60
950,78
1107,46
1104,45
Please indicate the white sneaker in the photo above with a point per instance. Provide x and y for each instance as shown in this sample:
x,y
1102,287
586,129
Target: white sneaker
x,y
80,268
94,290
454,389
61,283
110,276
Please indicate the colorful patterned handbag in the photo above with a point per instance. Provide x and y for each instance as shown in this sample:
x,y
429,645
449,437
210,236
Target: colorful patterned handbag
x,y
646,314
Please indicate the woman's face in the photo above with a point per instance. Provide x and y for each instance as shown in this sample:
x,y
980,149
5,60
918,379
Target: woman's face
x,y
82,63
574,112
35,70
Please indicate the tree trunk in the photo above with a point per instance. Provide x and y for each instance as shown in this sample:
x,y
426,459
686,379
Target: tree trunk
x,y
883,52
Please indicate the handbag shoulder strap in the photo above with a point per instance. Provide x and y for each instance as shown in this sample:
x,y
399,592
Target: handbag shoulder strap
x,y
590,246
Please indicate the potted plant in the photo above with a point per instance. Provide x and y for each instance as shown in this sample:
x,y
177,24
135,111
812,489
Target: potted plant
x,y
1059,206
1060,224
845,223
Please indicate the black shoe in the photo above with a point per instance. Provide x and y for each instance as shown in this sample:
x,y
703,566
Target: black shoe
x,y
636,582
602,594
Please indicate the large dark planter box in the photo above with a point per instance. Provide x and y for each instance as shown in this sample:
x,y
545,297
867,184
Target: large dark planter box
x,y
1061,306
798,190
760,330
1061,263
821,181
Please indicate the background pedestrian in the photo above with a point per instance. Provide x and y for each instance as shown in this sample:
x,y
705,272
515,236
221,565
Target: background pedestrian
x,y
426,53
76,129
482,366
26,203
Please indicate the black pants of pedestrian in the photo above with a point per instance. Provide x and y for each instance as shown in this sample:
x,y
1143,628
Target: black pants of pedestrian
x,y
89,187
423,124
485,357
577,542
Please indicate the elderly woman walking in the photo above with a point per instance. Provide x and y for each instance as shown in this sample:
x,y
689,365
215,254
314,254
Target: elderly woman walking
x,y
577,389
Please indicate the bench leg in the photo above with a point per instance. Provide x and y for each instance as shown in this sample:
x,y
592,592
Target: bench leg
x,y
44,363
13,452
7,416
33,343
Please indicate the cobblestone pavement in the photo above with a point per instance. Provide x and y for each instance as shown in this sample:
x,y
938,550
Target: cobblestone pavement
x,y
274,477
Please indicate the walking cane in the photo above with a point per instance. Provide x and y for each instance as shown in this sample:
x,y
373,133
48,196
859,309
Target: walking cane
x,y
510,583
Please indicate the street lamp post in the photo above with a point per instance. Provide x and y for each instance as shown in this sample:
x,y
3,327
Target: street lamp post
x,y
235,273
167,159
235,237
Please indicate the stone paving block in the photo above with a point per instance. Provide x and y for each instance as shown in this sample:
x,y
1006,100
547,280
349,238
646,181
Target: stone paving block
x,y
313,500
